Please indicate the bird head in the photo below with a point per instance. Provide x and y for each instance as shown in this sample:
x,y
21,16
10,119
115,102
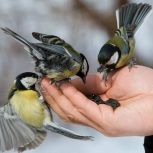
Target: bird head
x,y
26,81
108,57
84,68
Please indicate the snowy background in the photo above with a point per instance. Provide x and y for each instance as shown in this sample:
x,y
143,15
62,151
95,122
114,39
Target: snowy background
x,y
82,23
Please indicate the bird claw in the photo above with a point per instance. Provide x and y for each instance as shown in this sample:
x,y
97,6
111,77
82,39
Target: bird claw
x,y
105,75
105,71
132,63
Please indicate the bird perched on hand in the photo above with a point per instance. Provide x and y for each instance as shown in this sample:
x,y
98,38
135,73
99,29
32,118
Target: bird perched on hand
x,y
119,50
25,118
57,59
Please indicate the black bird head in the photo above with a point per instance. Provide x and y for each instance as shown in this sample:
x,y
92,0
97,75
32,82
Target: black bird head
x,y
84,68
26,81
108,57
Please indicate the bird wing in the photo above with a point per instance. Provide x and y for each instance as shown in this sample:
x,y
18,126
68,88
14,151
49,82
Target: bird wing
x,y
47,50
39,137
48,39
51,49
14,133
51,40
40,50
120,39
58,44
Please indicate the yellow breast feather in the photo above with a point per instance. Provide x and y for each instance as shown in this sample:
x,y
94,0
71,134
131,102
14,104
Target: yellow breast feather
x,y
27,105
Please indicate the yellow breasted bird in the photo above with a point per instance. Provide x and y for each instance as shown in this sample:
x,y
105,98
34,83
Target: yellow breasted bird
x,y
57,59
119,50
26,116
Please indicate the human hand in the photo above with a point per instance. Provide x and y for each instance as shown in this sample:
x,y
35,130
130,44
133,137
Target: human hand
x,y
132,89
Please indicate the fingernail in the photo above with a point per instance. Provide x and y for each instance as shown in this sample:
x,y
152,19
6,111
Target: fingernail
x,y
44,83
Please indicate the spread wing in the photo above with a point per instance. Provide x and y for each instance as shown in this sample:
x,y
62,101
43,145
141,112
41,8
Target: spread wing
x,y
14,133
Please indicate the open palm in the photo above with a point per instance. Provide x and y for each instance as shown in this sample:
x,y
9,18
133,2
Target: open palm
x,y
132,89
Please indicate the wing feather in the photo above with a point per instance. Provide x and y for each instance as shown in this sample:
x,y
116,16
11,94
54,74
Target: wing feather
x,y
13,132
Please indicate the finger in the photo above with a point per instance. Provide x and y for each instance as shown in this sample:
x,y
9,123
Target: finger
x,y
65,105
102,85
85,87
82,103
94,84
75,114
54,106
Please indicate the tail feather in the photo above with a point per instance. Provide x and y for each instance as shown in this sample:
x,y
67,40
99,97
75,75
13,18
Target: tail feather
x,y
29,47
68,133
132,15
16,36
142,11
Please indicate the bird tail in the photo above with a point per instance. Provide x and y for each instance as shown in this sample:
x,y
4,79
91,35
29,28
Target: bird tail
x,y
66,132
16,36
27,45
131,16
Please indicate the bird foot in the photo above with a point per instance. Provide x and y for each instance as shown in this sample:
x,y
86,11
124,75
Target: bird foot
x,y
105,75
132,63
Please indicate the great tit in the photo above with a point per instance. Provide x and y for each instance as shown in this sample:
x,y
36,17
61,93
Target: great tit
x,y
57,60
119,50
26,116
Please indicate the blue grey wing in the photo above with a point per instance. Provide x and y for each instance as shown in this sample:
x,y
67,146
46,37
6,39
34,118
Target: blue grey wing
x,y
46,49
13,132
48,39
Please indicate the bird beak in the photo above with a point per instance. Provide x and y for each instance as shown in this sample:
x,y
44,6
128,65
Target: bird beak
x,y
101,68
82,76
84,79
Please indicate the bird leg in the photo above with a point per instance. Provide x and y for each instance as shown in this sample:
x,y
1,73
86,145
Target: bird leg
x,y
105,71
132,63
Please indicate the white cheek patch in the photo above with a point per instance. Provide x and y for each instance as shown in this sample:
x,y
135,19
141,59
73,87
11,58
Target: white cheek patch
x,y
28,81
113,59
84,67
